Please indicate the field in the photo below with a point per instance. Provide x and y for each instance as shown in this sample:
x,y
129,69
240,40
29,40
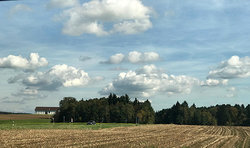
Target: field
x,y
134,136
22,116
41,133
29,121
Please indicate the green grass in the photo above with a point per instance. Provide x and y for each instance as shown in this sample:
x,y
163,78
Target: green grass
x,y
45,124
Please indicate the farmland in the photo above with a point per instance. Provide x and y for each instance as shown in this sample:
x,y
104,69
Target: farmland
x,y
31,121
22,116
134,136
36,131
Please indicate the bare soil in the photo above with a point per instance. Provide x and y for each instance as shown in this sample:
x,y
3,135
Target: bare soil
x,y
22,116
136,136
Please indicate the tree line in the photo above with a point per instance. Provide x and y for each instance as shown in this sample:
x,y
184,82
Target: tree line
x,y
120,109
111,109
237,115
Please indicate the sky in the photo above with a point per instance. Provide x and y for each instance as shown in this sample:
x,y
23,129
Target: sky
x,y
164,51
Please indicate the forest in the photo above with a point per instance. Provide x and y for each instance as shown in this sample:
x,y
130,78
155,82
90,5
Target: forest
x,y
112,109
225,114
120,109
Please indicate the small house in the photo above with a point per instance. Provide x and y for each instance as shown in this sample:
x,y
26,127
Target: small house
x,y
46,110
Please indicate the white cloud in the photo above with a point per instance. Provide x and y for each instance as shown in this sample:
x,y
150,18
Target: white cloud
x,y
234,67
62,3
42,81
69,75
214,82
116,59
151,56
149,80
56,77
18,62
133,57
149,69
132,27
95,16
137,57
19,8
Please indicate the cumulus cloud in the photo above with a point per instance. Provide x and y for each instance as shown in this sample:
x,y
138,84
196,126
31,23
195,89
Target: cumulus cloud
x,y
150,56
149,80
214,82
115,59
62,3
57,76
95,16
235,67
137,57
70,75
18,62
133,57
19,8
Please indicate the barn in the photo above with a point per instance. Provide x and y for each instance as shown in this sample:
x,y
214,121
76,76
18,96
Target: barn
x,y
46,110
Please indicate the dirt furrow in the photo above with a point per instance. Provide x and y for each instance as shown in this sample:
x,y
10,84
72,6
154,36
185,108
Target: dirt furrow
x,y
137,136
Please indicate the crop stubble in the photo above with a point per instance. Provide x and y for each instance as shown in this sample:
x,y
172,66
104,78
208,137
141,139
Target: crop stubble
x,y
23,116
136,136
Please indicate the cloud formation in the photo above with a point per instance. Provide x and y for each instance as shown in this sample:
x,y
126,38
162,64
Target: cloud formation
x,y
235,67
57,76
133,57
214,82
137,57
149,80
115,59
95,16
18,62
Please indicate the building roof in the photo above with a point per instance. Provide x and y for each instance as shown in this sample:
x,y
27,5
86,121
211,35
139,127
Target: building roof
x,y
46,108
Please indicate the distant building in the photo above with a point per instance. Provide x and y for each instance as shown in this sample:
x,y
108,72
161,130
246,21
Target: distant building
x,y
46,110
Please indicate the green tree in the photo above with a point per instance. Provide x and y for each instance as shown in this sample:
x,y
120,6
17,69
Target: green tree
x,y
67,109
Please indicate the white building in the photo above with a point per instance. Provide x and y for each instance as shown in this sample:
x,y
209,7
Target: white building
x,y
46,110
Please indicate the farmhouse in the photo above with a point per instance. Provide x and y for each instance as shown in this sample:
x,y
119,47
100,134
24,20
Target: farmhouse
x,y
46,110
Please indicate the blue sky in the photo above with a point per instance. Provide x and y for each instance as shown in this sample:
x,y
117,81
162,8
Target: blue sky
x,y
164,51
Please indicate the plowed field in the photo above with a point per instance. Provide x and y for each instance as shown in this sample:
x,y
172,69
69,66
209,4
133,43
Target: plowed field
x,y
136,136
23,116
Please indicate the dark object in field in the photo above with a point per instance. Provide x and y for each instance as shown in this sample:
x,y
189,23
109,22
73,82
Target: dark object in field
x,y
91,122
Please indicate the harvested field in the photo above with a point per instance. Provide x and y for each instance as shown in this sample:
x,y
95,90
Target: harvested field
x,y
23,116
136,136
